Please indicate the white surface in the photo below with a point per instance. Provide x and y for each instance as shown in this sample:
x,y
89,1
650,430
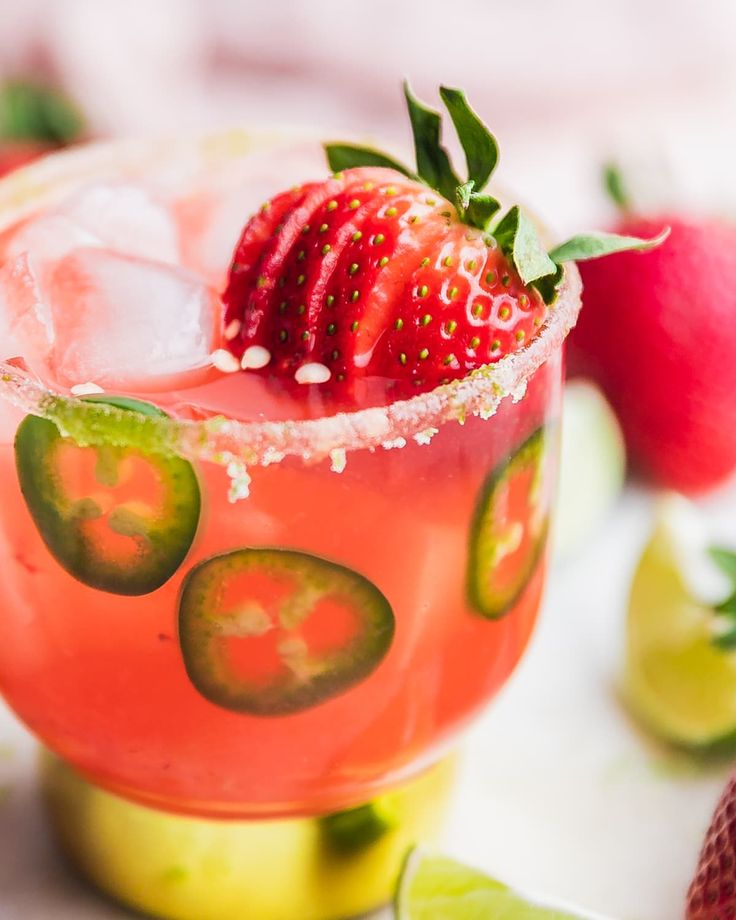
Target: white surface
x,y
559,793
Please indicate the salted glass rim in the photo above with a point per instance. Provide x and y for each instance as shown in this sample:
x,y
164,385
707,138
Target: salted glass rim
x,y
229,441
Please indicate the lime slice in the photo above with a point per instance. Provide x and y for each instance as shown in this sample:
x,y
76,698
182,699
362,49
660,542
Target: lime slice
x,y
592,466
188,868
433,886
678,680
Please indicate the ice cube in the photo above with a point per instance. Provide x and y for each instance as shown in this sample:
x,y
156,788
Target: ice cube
x,y
212,218
49,236
114,320
125,218
26,324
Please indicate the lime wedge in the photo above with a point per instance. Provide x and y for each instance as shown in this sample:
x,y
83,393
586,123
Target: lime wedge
x,y
592,466
433,886
680,680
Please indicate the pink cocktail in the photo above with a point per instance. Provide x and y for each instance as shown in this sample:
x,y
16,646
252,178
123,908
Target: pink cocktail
x,y
224,596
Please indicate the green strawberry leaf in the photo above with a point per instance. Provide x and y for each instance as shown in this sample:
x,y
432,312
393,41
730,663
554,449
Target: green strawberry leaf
x,y
725,638
463,194
594,245
474,208
549,285
728,607
433,163
481,209
36,113
725,641
615,187
350,156
725,559
517,236
479,145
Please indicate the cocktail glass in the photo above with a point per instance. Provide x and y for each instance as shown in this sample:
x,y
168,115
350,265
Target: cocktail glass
x,y
241,618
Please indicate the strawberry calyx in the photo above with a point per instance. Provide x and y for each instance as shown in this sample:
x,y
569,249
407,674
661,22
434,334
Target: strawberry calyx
x,y
514,232
725,631
32,112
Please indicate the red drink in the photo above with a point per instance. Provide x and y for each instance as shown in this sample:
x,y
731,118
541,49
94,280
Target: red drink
x,y
102,680
294,652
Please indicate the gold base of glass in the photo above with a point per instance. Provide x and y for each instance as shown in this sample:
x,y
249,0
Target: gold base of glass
x,y
183,868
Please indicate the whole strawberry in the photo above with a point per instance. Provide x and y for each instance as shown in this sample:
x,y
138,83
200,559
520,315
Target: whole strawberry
x,y
14,154
712,893
382,273
658,333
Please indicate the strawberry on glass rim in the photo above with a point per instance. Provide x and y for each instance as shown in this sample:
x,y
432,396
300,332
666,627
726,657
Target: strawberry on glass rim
x,y
381,271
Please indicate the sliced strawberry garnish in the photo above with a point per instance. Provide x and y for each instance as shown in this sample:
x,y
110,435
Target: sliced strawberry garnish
x,y
465,307
379,272
260,232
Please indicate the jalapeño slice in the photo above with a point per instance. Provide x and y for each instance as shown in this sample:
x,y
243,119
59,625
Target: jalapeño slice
x,y
271,631
116,518
509,530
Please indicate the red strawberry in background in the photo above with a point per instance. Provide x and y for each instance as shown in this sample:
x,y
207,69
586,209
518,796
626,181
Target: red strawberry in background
x,y
712,893
383,273
34,120
658,333
14,154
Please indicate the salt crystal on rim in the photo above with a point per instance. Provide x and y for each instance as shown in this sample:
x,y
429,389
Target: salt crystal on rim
x,y
338,460
424,437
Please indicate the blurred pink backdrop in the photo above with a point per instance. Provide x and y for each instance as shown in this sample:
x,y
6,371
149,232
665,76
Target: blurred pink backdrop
x,y
563,84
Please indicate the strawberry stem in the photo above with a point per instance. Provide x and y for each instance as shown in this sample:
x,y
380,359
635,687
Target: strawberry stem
x,y
615,187
31,112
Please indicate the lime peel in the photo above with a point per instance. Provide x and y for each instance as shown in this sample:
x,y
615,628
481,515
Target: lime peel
x,y
434,886
678,681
